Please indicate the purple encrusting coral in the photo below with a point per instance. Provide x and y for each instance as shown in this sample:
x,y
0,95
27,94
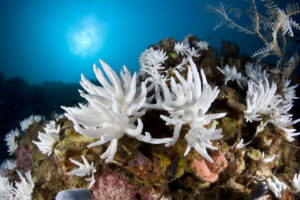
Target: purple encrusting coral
x,y
24,157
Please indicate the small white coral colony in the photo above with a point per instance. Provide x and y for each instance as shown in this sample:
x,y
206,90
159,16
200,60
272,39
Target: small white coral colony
x,y
49,138
276,186
22,190
231,74
261,99
112,110
5,188
7,164
181,48
30,120
267,159
255,73
151,62
187,103
202,45
184,49
296,182
11,142
84,169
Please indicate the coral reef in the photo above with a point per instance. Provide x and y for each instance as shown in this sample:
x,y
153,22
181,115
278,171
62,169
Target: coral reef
x,y
178,129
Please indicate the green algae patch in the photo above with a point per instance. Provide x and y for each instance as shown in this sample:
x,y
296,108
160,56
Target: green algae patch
x,y
229,128
173,55
254,154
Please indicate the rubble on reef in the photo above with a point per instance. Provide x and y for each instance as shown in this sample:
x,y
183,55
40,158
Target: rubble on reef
x,y
142,171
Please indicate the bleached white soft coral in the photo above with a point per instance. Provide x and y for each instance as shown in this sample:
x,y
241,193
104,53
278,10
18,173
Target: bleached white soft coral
x,y
181,48
84,169
113,110
7,164
11,142
255,72
187,103
296,182
289,91
151,62
261,99
267,159
49,138
276,186
202,45
200,139
231,74
30,120
192,52
6,189
180,67
23,189
240,144
153,57
58,116
283,121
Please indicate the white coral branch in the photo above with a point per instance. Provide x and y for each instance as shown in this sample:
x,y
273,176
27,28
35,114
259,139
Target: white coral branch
x,y
49,138
24,189
187,103
181,48
112,110
267,159
202,45
296,182
261,99
231,74
6,189
276,186
8,164
11,142
84,169
29,121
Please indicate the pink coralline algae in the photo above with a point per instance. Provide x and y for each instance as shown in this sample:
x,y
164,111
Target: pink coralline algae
x,y
209,171
110,185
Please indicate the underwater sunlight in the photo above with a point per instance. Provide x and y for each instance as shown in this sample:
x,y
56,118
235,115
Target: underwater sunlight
x,y
86,38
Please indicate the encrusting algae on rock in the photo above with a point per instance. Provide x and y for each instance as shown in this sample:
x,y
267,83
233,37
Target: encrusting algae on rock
x,y
148,158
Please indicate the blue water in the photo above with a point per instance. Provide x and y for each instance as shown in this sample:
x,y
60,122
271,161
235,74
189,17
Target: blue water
x,y
58,40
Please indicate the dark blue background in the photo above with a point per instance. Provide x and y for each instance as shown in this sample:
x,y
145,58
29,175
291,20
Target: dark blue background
x,y
37,36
